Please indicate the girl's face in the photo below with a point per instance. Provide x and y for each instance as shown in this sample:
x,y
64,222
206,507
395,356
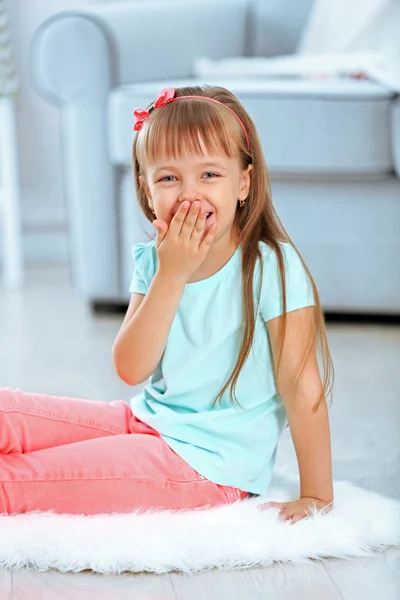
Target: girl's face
x,y
217,182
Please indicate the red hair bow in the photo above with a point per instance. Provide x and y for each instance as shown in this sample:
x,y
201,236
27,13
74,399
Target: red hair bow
x,y
164,97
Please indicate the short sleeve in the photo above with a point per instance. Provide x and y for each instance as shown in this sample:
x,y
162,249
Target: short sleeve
x,y
299,292
139,282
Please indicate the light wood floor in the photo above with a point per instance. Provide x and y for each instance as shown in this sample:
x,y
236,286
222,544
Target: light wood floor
x,y
49,342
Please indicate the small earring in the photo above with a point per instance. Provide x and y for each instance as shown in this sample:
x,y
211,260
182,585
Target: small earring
x,y
242,203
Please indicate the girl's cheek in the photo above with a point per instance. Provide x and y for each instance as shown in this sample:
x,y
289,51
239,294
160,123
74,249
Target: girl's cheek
x,y
164,206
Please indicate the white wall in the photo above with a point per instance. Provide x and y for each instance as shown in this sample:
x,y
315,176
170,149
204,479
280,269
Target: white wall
x,y
43,210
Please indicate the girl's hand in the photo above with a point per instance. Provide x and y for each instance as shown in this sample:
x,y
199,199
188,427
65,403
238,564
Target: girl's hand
x,y
179,250
298,509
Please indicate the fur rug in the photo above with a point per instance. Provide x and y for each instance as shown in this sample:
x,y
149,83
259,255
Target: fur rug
x,y
230,537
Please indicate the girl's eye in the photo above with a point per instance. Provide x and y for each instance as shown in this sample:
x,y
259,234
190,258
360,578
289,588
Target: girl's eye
x,y
214,174
166,178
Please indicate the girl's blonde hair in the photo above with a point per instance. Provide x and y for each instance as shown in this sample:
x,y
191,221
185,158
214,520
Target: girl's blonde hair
x,y
178,128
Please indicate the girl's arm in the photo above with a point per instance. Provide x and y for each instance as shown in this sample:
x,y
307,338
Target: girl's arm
x,y
141,340
309,429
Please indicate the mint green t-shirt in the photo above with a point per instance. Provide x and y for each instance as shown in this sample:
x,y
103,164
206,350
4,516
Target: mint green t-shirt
x,y
228,445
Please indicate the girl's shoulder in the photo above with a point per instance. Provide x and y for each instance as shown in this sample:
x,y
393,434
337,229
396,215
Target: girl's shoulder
x,y
293,262
269,254
298,286
144,250
145,257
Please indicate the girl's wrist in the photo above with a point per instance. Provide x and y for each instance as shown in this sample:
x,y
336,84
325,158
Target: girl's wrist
x,y
170,278
327,499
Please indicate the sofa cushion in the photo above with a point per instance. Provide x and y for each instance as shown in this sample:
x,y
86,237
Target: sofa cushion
x,y
338,126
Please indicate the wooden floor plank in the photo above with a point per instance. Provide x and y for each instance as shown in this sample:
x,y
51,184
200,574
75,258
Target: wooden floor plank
x,y
276,582
87,585
6,584
366,578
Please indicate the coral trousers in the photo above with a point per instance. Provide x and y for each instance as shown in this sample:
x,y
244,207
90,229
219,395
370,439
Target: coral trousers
x,y
76,456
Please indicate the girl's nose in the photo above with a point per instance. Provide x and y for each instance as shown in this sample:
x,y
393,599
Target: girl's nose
x,y
190,196
189,191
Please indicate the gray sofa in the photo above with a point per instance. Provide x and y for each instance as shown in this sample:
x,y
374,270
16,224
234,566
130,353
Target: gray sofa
x,y
333,148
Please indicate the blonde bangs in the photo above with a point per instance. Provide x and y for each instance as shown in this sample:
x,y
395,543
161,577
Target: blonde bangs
x,y
181,127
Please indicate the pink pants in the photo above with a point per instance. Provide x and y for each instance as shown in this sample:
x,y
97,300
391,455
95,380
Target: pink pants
x,y
83,457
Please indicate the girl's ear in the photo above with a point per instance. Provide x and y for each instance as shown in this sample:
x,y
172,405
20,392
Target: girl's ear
x,y
245,183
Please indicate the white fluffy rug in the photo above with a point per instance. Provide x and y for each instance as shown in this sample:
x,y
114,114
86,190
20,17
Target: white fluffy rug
x,y
233,536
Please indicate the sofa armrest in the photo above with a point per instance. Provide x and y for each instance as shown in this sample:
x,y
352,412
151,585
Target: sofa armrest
x,y
85,50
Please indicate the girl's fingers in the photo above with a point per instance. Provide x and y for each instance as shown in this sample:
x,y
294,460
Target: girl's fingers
x,y
178,219
199,224
162,229
190,221
209,238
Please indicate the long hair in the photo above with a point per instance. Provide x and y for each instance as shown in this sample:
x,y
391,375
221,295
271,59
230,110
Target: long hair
x,y
177,129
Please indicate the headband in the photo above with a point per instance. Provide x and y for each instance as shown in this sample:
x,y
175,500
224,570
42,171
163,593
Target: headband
x,y
168,95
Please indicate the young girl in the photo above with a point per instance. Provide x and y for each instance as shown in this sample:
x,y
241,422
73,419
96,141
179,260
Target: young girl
x,y
226,319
